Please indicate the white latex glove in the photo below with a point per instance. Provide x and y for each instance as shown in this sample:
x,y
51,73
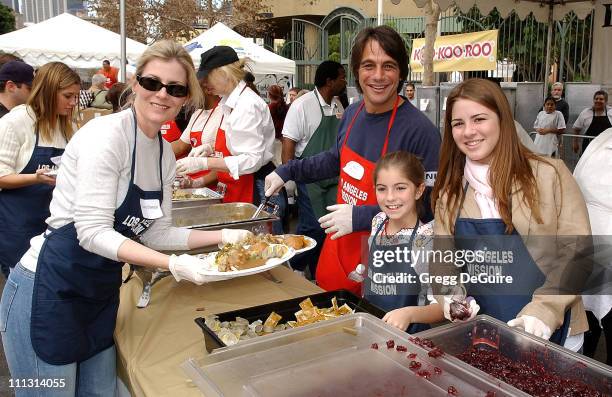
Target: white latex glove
x,y
190,165
203,150
187,267
532,325
339,221
233,236
273,184
473,308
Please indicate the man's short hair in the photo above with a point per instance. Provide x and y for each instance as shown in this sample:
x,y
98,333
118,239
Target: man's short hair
x,y
409,84
557,84
389,40
294,89
327,70
106,61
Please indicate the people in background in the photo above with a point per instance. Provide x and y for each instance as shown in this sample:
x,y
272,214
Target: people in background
x,y
244,142
311,127
549,123
380,123
118,96
96,97
112,205
409,92
556,91
594,120
110,72
15,85
32,139
292,94
6,58
495,192
278,109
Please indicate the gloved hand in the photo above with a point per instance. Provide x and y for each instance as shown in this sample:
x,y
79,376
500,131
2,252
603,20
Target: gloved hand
x,y
233,236
204,150
339,221
532,325
187,267
189,165
272,184
460,312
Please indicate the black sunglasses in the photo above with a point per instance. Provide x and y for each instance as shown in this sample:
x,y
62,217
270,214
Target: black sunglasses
x,y
151,84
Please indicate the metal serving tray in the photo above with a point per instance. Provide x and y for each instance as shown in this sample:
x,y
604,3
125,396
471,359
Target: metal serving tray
x,y
323,359
287,310
227,215
212,197
486,332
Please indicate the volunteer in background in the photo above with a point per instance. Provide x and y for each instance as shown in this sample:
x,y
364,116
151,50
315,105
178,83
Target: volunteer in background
x,y
31,136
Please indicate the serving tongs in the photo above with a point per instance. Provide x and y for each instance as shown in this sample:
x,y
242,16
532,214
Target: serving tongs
x,y
267,203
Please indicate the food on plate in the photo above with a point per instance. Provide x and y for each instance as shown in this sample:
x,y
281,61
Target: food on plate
x,y
231,332
233,257
294,241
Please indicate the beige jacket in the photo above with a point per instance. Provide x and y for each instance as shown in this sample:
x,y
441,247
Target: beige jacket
x,y
563,212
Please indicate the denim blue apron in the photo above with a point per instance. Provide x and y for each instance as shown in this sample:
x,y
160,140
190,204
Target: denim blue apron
x,y
76,292
390,296
502,300
23,211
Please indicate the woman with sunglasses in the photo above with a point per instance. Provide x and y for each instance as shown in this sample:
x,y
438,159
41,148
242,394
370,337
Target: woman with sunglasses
x,y
111,205
30,136
244,142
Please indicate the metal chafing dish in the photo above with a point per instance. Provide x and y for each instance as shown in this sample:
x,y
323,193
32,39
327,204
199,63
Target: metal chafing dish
x,y
487,333
205,197
205,217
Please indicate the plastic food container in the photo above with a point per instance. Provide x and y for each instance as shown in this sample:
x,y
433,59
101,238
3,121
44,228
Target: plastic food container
x,y
485,332
336,358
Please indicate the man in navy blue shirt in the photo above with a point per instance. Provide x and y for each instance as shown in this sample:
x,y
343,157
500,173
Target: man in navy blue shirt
x,y
382,122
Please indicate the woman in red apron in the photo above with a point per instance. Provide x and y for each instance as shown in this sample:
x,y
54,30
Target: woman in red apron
x,y
243,145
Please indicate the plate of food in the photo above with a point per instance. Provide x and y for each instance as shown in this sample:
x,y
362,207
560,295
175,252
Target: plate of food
x,y
237,260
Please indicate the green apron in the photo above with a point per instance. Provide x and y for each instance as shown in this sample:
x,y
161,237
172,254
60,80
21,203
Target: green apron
x,y
322,193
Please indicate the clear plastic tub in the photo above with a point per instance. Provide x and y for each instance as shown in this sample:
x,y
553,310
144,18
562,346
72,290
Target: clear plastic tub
x,y
485,332
335,358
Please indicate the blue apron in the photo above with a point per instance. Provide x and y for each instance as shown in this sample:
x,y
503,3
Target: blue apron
x,y
389,296
502,301
76,292
23,211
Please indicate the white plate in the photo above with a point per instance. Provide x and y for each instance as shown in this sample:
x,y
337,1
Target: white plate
x,y
310,241
217,275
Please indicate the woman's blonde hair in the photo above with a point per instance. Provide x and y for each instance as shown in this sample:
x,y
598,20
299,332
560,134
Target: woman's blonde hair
x,y
233,72
50,79
167,50
509,163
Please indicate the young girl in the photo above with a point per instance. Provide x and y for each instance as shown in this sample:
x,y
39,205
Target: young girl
x,y
399,181
548,124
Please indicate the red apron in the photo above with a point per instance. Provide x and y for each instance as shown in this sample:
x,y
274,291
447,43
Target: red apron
x,y
339,257
195,138
236,191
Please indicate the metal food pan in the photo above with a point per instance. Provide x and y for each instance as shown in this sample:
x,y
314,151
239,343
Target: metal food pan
x,y
212,197
226,215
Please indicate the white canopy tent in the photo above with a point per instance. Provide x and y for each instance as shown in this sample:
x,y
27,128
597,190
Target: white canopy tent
x,y
263,61
68,39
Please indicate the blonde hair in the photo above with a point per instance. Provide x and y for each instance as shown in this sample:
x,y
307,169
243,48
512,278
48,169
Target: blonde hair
x,y
50,79
233,72
167,50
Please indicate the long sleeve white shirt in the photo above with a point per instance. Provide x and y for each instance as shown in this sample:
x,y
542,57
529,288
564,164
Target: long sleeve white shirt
x,y
92,183
17,140
249,131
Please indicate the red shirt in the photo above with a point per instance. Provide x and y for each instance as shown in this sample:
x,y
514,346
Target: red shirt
x,y
111,76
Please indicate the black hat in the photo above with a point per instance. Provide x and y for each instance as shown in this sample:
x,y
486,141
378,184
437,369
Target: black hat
x,y
217,56
17,72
